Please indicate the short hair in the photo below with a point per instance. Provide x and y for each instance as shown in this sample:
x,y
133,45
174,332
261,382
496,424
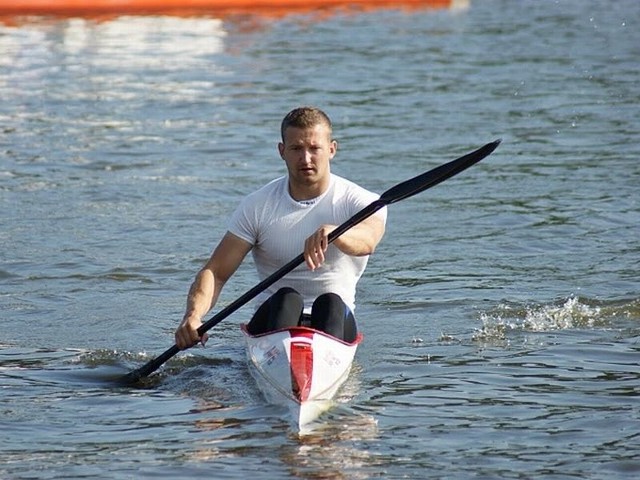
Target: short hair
x,y
305,117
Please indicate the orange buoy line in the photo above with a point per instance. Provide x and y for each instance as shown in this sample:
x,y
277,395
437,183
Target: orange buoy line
x,y
68,8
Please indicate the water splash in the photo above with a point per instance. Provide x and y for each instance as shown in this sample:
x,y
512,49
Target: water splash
x,y
571,314
574,312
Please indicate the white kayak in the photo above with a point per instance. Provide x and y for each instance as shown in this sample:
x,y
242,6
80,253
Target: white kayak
x,y
301,368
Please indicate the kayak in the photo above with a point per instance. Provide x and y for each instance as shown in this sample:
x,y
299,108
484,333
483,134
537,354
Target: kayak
x,y
192,7
300,368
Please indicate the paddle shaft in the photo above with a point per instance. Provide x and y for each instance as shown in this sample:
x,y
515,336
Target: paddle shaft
x,y
399,192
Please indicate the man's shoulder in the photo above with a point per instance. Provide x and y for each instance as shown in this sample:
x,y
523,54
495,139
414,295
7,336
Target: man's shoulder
x,y
343,182
349,186
274,187
257,205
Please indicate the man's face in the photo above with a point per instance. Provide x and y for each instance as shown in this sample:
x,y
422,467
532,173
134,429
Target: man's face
x,y
307,153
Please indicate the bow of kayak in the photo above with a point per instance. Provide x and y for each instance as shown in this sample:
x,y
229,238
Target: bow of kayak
x,y
300,368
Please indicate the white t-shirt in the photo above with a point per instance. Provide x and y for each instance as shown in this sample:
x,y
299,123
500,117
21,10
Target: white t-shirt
x,y
277,227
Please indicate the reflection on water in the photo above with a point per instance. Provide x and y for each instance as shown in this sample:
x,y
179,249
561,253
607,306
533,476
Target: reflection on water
x,y
336,450
333,450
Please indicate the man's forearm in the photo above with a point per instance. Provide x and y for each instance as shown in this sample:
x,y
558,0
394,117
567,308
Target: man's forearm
x,y
202,294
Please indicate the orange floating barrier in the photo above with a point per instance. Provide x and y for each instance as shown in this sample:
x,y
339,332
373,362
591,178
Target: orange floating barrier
x,y
93,8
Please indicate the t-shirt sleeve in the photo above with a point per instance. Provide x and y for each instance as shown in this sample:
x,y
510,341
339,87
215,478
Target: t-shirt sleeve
x,y
242,222
361,198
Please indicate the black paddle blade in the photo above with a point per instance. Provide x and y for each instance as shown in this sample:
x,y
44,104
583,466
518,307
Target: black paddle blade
x,y
437,175
416,185
148,368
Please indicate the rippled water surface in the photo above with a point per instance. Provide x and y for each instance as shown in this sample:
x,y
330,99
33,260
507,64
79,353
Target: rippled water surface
x,y
501,312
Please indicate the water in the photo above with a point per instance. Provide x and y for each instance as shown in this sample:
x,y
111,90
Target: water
x,y
501,311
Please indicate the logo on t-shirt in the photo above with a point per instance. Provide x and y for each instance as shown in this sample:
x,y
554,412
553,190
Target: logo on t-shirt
x,y
309,202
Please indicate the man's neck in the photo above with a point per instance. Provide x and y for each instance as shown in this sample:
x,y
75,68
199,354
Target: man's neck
x,y
307,192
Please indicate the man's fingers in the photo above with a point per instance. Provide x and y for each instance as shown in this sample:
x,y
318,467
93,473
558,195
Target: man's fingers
x,y
183,341
315,246
186,336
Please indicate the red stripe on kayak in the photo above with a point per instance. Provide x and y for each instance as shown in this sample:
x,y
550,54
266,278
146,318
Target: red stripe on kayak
x,y
301,366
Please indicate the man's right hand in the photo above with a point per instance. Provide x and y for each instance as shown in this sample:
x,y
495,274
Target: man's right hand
x,y
186,334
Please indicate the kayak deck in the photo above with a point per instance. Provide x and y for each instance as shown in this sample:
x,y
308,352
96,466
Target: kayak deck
x,y
300,368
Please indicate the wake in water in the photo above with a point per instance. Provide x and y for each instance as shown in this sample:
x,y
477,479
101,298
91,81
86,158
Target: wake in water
x,y
572,313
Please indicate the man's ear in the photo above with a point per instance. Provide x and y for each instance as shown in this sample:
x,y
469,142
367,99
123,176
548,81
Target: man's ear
x,y
334,146
281,150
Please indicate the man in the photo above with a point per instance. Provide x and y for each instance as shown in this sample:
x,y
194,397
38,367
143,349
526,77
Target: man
x,y
291,214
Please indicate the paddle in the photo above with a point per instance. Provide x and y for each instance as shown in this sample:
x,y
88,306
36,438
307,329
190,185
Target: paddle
x,y
401,191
